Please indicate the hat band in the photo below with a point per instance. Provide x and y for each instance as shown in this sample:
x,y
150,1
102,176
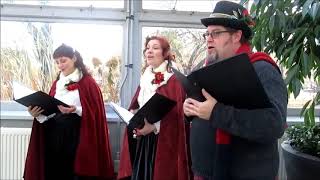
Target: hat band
x,y
221,15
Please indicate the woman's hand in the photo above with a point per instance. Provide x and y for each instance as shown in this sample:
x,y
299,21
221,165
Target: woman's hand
x,y
133,111
147,129
35,111
66,110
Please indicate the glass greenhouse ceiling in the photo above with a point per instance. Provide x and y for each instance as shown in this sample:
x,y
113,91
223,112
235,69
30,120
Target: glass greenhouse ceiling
x,y
100,4
178,5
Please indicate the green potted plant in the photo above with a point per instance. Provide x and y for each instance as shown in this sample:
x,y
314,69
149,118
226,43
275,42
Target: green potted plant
x,y
290,30
302,152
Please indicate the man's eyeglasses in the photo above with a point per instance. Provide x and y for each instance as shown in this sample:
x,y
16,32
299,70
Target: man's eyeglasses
x,y
213,34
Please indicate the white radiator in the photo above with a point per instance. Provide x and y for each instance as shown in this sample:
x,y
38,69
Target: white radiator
x,y
14,146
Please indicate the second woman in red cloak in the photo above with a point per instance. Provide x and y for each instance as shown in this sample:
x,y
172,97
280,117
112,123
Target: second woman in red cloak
x,y
161,150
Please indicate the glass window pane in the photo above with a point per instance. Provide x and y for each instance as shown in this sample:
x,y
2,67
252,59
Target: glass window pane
x,y
189,48
26,54
98,4
187,44
181,5
308,92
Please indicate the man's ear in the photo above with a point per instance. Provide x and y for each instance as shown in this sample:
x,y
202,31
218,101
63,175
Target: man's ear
x,y
237,35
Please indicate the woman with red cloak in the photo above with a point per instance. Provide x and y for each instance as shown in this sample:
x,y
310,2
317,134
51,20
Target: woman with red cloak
x,y
73,144
161,150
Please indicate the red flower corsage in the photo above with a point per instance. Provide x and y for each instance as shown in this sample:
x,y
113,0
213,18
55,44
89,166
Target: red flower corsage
x,y
72,86
158,78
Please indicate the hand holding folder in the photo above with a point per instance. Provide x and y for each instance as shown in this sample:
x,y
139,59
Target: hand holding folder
x,y
232,81
28,98
153,111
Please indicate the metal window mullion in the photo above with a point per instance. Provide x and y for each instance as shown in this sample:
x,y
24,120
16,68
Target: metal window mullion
x,y
133,50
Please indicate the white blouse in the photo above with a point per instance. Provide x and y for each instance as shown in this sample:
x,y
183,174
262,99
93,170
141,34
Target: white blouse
x,y
147,89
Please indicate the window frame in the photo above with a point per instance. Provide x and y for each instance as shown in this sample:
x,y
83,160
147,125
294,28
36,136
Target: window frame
x,y
132,17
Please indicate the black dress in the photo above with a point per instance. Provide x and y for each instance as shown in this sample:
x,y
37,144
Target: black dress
x,y
61,141
144,157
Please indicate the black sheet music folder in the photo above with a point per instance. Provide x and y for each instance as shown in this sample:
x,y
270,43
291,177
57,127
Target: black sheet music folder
x,y
43,100
153,111
232,81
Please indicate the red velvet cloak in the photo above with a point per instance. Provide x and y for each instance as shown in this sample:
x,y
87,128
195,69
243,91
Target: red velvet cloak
x,y
172,161
93,156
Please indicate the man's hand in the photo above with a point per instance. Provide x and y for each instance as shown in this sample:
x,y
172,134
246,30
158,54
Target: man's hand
x,y
203,110
147,129
66,110
35,111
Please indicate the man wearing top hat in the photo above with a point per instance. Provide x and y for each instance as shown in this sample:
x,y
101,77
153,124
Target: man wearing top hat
x,y
228,143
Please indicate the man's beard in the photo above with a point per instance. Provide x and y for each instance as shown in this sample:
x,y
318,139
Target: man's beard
x,y
212,58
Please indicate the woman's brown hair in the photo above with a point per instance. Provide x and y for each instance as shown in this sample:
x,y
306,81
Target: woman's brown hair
x,y
67,51
166,50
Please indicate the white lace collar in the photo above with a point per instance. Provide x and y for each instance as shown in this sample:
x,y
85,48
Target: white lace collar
x,y
61,87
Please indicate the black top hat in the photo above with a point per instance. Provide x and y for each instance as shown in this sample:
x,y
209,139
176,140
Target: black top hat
x,y
230,14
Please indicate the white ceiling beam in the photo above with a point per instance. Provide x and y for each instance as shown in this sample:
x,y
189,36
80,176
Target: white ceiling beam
x,y
10,11
178,18
56,13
